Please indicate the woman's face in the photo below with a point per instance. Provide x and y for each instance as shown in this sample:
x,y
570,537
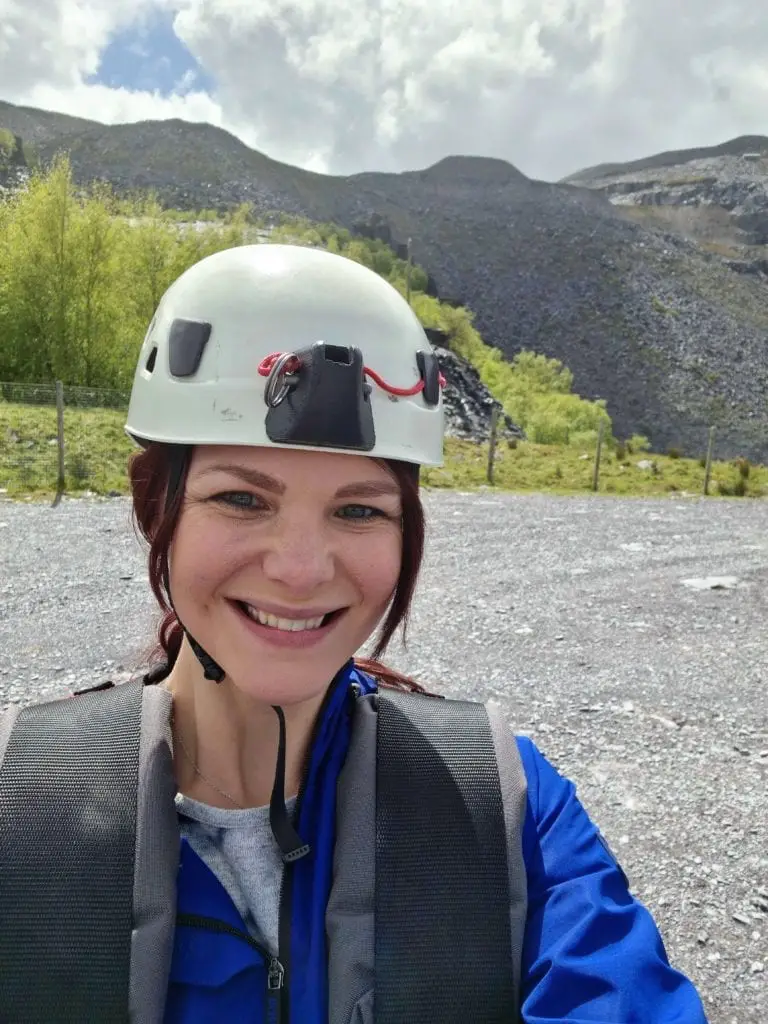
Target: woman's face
x,y
283,562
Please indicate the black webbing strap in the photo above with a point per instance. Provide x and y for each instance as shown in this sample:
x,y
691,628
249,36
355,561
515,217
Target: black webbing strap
x,y
68,796
443,932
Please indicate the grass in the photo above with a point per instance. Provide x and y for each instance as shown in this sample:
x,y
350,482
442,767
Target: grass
x,y
568,470
97,451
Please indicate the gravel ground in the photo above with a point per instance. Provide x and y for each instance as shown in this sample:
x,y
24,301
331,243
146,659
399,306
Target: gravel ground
x,y
574,615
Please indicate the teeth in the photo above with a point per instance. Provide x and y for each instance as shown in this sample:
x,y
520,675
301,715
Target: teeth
x,y
289,625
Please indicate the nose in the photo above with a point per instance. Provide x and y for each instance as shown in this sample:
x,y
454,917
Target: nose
x,y
300,556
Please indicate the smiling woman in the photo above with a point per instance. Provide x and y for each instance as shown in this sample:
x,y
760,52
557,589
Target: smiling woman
x,y
263,541
264,828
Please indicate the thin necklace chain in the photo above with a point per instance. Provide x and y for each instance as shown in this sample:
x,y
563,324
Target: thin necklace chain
x,y
205,779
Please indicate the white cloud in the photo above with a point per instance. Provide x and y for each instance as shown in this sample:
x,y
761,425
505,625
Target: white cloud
x,y
49,48
350,85
115,106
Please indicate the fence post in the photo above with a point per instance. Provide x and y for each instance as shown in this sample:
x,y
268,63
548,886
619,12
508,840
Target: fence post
x,y
492,441
408,274
61,482
708,468
598,454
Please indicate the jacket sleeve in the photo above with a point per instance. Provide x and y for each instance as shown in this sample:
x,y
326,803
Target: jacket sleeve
x,y
591,952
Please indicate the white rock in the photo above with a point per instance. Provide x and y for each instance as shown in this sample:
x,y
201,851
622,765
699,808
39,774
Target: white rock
x,y
712,583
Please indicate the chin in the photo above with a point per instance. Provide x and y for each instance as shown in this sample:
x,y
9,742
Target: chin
x,y
285,688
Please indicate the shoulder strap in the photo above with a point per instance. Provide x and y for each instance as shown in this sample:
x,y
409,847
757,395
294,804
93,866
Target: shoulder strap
x,y
84,798
444,944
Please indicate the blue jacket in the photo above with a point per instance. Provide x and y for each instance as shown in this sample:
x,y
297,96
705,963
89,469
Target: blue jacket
x,y
592,952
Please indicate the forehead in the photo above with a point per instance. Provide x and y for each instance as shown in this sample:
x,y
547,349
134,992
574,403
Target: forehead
x,y
291,466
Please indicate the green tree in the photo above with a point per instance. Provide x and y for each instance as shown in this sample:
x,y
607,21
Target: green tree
x,y
96,315
38,273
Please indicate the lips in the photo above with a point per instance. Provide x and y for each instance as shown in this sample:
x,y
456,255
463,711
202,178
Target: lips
x,y
290,638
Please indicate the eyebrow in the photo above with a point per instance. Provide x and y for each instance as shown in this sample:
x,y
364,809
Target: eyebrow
x,y
359,489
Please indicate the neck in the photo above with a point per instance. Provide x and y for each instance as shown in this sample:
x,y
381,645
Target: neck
x,y
232,738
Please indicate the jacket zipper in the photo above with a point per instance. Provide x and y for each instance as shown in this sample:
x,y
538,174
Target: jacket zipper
x,y
275,970
285,913
285,905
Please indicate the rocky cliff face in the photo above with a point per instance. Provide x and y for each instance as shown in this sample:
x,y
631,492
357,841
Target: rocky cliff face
x,y
655,312
468,403
716,197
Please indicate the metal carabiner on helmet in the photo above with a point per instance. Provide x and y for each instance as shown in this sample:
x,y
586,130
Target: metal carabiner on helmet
x,y
282,376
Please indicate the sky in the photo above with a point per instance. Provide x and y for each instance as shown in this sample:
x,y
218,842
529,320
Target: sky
x,y
343,86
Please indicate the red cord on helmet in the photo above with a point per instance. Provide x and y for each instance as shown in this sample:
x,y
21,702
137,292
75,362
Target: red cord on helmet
x,y
293,365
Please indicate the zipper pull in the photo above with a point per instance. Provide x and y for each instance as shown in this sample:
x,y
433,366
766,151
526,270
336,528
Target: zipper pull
x,y
275,975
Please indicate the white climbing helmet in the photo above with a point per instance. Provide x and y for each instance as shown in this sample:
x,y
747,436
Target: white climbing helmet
x,y
287,346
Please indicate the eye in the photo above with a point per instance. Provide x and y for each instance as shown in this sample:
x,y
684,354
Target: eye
x,y
362,512
239,499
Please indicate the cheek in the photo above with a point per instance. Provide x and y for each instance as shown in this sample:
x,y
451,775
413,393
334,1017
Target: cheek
x,y
201,555
375,567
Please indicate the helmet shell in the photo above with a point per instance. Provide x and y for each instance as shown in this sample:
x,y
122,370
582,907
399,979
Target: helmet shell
x,y
197,380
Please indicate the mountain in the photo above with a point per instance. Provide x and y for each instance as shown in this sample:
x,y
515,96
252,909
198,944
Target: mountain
x,y
666,321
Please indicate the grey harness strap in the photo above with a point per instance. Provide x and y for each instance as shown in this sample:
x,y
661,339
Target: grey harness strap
x,y
68,810
443,939
89,851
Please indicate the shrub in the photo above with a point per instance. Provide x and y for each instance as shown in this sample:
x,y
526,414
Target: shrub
x,y
638,443
737,489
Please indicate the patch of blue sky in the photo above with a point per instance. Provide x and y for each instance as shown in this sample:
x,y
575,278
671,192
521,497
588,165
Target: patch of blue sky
x,y
148,55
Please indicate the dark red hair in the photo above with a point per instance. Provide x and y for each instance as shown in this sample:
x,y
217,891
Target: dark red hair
x,y
149,472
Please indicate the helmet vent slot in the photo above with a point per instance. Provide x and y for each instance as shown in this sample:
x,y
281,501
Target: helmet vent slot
x,y
186,344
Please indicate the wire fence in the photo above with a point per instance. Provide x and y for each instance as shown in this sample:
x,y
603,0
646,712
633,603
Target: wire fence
x,y
60,438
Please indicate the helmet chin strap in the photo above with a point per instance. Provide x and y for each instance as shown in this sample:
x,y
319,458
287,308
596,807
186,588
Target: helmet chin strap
x,y
211,669
292,846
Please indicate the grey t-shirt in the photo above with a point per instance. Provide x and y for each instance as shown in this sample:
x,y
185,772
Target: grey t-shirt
x,y
238,846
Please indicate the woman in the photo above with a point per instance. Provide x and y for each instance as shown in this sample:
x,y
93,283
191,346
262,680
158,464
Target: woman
x,y
285,398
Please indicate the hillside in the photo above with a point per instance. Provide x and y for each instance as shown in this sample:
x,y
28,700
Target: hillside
x,y
664,328
717,196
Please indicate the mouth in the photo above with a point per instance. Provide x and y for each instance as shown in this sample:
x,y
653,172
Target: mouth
x,y
309,627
